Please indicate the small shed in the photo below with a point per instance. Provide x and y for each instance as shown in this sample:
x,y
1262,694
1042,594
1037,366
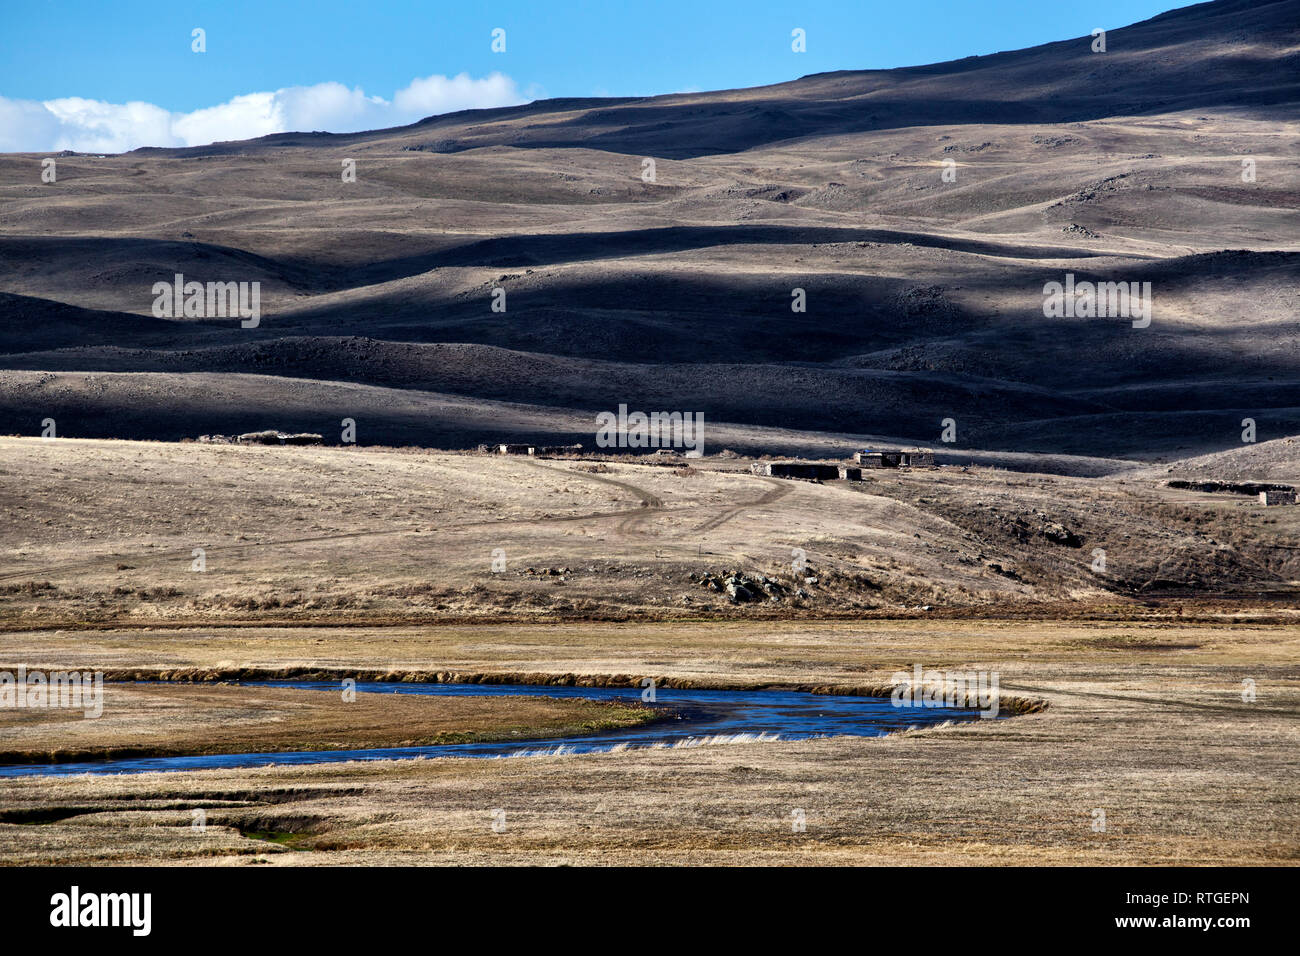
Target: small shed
x,y
878,459
807,470
1269,498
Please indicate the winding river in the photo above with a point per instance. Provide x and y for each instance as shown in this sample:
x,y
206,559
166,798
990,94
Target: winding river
x,y
693,717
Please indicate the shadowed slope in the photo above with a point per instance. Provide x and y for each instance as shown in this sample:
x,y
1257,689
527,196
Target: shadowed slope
x,y
915,215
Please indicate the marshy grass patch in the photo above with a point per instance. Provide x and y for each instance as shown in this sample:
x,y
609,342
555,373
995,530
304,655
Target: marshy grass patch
x,y
1133,642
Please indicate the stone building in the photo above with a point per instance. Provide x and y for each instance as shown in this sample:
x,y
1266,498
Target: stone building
x,y
878,459
1267,498
807,470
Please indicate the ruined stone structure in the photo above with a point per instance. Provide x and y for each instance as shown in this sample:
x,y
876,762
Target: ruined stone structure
x,y
879,459
919,458
1268,498
809,471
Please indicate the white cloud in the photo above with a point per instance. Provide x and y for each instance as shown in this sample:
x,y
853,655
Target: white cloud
x,y
437,94
244,117
94,126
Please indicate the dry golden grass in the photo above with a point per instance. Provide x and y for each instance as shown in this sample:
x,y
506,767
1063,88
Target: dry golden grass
x,y
102,533
1145,722
155,721
377,562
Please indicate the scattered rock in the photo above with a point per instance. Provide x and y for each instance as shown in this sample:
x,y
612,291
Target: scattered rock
x,y
1059,534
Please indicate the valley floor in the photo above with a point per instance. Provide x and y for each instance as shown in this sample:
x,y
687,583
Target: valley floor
x,y
351,562
1146,723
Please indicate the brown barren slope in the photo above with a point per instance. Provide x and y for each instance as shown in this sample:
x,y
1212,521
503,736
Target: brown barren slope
x,y
924,296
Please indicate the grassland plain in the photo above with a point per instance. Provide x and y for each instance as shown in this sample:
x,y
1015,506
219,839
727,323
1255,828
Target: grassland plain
x,y
1145,721
334,563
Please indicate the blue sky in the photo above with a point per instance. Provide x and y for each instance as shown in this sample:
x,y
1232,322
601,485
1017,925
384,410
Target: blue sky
x,y
127,51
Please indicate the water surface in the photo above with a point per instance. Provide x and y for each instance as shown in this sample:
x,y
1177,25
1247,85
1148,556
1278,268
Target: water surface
x,y
691,718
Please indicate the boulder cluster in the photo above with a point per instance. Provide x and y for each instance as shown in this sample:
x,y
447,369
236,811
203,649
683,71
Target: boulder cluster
x,y
742,588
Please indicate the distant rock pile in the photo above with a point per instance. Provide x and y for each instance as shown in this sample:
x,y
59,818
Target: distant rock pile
x,y
269,437
1075,229
742,588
